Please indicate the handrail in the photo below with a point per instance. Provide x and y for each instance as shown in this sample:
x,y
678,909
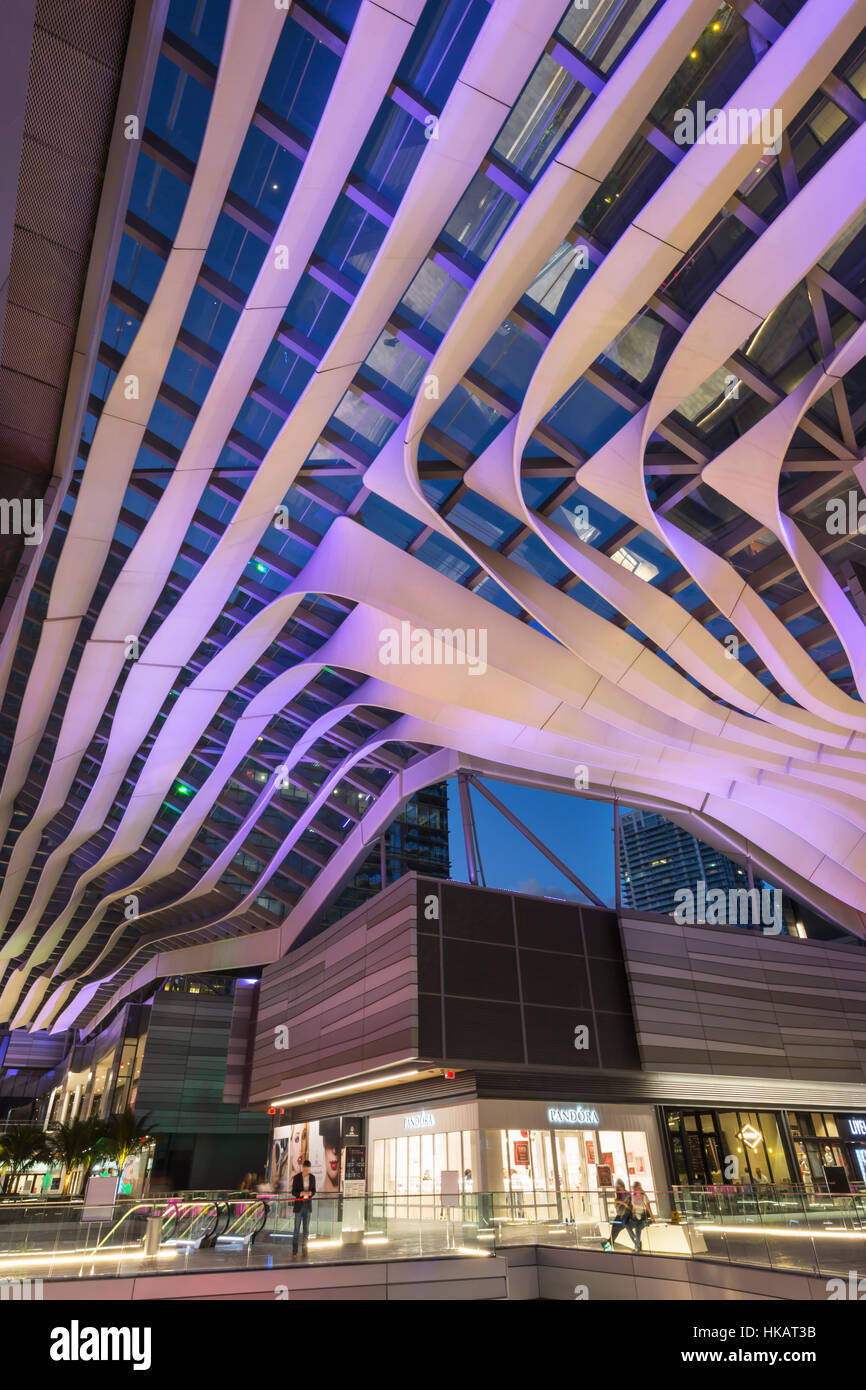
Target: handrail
x,y
224,1211
242,1215
196,1210
133,1211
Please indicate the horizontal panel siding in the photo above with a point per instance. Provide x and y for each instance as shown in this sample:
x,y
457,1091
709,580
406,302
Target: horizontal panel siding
x,y
184,1070
347,998
738,1003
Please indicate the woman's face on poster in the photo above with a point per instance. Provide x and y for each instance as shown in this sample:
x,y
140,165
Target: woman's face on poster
x,y
278,1160
332,1166
299,1147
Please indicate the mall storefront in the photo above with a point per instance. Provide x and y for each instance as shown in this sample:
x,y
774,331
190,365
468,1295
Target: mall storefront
x,y
538,1160
830,1150
813,1150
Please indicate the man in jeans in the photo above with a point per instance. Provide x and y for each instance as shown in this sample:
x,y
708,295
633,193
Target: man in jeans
x,y
303,1192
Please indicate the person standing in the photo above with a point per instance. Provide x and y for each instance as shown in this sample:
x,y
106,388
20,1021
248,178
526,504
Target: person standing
x,y
621,1215
641,1214
303,1192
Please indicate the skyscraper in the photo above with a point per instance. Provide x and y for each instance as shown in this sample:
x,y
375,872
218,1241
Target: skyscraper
x,y
657,858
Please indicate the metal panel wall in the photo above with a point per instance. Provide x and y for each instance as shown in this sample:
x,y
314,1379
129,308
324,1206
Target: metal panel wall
x,y
184,1068
734,1002
349,1000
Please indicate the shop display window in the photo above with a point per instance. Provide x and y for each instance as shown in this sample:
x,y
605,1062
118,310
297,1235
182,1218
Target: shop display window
x,y
612,1162
637,1158
524,1186
408,1168
590,1162
533,1175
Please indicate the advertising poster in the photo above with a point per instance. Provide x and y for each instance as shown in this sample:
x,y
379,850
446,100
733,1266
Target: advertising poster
x,y
320,1142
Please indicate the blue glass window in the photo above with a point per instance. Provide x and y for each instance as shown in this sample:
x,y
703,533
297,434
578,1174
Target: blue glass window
x,y
439,47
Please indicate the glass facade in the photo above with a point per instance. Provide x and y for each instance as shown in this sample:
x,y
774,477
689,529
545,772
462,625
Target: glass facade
x,y
409,1168
830,1150
736,1150
529,1169
728,1148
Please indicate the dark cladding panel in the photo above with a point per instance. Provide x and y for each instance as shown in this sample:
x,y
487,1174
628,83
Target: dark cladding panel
x,y
617,1043
430,1026
550,1037
428,964
476,915
601,933
480,970
553,978
428,889
560,987
609,986
548,926
483,1031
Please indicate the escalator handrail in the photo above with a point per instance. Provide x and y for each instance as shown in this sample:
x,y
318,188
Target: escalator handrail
x,y
172,1209
225,1216
199,1209
240,1216
127,1215
264,1220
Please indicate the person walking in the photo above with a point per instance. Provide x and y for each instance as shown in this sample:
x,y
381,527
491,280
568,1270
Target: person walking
x,y
641,1214
303,1192
621,1214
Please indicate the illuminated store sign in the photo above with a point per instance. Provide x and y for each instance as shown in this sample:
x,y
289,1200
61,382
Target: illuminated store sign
x,y
857,1126
751,1137
579,1115
421,1119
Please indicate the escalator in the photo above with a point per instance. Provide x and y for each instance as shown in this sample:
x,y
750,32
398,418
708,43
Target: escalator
x,y
198,1224
192,1225
129,1228
245,1220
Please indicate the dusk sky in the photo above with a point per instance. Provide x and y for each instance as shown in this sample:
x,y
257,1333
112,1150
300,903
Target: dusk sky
x,y
578,831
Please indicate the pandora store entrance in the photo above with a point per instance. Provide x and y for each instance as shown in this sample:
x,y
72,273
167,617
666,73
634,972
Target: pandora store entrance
x,y
542,1161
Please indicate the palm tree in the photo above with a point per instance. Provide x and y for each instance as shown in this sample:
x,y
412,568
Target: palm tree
x,y
21,1147
74,1145
125,1134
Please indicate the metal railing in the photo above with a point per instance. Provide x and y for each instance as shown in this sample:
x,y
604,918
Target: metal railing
x,y
781,1229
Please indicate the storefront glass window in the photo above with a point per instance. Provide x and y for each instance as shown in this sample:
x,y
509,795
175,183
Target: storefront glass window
x,y
779,1172
409,1169
379,1151
734,1166
810,1169
728,1148
612,1156
637,1159
455,1157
